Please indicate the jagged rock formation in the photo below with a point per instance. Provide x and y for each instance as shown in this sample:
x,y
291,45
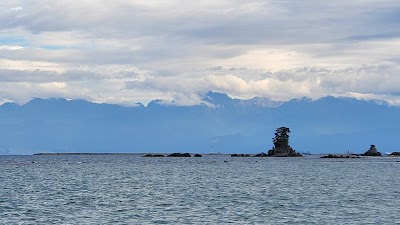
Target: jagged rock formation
x,y
372,152
281,144
395,154
179,155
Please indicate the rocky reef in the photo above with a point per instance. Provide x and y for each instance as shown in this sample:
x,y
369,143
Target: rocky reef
x,y
240,155
262,154
395,154
197,155
153,155
330,156
179,155
372,152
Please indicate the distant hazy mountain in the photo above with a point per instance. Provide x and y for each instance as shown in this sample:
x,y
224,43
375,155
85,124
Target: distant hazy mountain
x,y
333,125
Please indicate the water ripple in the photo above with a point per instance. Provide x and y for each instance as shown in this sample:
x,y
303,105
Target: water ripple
x,y
208,190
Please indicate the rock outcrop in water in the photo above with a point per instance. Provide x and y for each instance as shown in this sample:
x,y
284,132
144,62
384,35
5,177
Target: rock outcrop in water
x,y
240,155
281,144
262,154
372,152
395,154
179,155
197,155
153,155
330,156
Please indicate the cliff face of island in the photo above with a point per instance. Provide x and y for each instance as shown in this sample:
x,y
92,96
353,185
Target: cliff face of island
x,y
281,144
372,152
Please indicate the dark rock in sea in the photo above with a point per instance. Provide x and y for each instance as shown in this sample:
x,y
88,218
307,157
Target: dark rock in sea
x,y
179,155
283,151
240,155
281,144
330,156
262,154
372,152
395,154
197,155
153,155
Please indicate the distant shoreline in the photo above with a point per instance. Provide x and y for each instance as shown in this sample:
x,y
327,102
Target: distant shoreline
x,y
165,154
105,153
87,153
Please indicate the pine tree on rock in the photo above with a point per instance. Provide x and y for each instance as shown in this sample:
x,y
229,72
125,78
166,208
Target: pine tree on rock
x,y
281,144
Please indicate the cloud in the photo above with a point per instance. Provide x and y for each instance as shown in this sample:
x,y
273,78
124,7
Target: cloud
x,y
124,51
363,82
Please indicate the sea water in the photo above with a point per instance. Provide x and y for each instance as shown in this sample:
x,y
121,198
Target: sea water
x,y
130,189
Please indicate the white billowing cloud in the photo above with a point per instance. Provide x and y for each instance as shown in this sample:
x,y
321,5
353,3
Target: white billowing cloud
x,y
126,51
380,81
23,91
95,83
230,84
184,99
269,59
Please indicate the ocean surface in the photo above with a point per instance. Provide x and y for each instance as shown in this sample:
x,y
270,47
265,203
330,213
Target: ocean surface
x,y
129,189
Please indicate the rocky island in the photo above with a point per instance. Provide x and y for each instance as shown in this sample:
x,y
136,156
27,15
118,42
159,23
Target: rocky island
x,y
372,152
281,144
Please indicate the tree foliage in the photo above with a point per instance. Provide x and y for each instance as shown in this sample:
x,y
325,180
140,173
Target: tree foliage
x,y
281,137
281,144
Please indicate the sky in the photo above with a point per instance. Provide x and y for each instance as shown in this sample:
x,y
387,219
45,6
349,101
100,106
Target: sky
x,y
128,51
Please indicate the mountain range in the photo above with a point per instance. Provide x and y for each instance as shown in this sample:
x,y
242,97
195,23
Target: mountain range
x,y
222,124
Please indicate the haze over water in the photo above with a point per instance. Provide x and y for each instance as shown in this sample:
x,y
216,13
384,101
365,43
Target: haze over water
x,y
129,189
